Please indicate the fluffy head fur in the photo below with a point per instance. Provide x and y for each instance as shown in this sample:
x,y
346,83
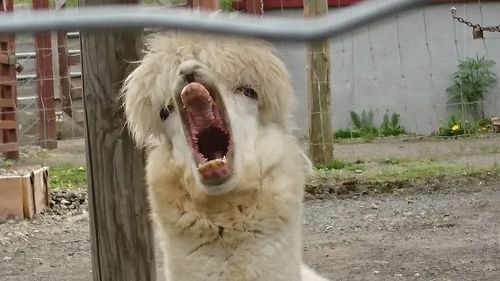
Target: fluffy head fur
x,y
248,227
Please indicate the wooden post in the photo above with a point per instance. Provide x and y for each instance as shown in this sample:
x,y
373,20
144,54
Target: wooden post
x,y
64,74
63,70
8,96
318,63
121,235
45,85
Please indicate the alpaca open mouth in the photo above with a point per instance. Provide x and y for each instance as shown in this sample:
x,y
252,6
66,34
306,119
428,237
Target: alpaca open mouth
x,y
208,132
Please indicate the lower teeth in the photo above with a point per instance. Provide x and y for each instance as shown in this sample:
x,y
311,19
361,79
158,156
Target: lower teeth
x,y
212,164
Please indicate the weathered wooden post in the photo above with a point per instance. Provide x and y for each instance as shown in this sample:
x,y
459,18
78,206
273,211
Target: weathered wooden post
x,y
121,235
318,63
63,66
45,85
8,96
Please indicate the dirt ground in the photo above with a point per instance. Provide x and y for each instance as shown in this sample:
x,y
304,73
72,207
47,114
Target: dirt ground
x,y
432,232
474,151
450,234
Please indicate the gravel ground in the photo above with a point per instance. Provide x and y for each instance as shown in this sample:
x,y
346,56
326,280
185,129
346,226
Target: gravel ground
x,y
410,234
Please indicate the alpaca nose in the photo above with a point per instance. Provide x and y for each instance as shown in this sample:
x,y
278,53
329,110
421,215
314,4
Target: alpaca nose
x,y
188,70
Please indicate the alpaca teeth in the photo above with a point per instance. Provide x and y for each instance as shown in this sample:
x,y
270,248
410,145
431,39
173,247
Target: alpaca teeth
x,y
216,163
224,159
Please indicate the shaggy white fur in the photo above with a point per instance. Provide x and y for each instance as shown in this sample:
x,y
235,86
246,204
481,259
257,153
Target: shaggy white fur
x,y
247,226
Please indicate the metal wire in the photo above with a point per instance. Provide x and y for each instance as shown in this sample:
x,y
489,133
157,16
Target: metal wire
x,y
113,17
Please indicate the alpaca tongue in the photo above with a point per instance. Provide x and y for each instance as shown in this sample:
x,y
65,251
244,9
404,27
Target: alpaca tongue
x,y
199,105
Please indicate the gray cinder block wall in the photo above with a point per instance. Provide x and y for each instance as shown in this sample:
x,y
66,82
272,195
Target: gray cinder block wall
x,y
402,64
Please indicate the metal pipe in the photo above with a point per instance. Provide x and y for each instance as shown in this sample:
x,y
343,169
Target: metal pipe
x,y
32,55
32,77
274,28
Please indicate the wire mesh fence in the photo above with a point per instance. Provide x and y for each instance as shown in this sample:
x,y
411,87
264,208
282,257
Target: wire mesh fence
x,y
390,79
401,102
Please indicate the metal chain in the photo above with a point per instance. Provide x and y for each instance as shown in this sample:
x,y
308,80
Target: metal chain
x,y
495,28
261,8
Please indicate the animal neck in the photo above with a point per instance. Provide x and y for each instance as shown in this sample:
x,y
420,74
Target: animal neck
x,y
239,236
250,233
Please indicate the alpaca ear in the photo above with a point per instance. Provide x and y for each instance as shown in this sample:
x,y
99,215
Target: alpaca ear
x,y
142,114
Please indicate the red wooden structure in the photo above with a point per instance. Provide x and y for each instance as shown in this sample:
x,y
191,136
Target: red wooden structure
x,y
45,85
8,122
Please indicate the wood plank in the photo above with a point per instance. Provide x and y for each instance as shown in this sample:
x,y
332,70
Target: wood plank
x,y
8,124
4,59
76,93
8,147
121,235
6,80
7,103
74,59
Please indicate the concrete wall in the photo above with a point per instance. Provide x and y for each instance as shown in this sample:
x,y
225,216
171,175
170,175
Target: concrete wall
x,y
401,64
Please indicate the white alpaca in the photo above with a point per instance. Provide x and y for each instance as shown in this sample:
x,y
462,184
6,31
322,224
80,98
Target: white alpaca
x,y
225,174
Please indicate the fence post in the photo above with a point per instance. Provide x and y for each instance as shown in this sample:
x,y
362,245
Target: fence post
x,y
318,63
122,243
8,97
63,70
45,85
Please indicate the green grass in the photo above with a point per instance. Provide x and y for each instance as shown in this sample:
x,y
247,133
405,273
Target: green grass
x,y
67,177
412,173
341,165
6,164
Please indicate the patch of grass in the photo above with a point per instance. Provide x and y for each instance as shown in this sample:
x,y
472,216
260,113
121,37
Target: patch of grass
x,y
418,172
341,165
347,134
67,177
334,165
353,167
5,164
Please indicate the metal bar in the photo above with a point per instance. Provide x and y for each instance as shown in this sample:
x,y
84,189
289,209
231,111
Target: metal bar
x,y
112,17
32,55
30,77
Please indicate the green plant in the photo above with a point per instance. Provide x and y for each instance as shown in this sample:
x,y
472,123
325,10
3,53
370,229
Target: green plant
x,y
455,126
346,134
391,127
484,125
471,83
364,126
67,177
226,5
365,122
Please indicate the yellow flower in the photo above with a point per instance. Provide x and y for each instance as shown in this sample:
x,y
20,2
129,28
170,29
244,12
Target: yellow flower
x,y
455,128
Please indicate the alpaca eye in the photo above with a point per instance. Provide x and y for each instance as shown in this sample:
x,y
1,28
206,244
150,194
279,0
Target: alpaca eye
x,y
247,91
165,112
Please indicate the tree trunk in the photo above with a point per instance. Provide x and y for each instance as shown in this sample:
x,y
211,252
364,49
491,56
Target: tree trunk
x,y
318,57
121,234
